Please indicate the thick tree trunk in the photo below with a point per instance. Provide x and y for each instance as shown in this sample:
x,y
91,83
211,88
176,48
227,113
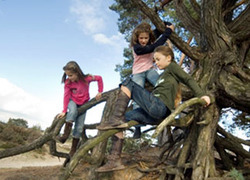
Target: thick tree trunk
x,y
203,163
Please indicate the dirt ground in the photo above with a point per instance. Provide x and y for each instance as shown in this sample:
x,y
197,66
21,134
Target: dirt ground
x,y
49,168
33,165
29,166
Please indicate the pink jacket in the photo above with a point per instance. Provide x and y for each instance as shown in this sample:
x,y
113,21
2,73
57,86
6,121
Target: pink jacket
x,y
79,91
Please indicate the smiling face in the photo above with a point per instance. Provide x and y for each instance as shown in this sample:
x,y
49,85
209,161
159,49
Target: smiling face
x,y
161,60
143,38
72,76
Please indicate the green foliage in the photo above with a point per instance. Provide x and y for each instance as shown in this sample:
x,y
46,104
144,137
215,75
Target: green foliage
x,y
18,122
12,135
2,124
132,145
129,18
235,175
37,127
125,69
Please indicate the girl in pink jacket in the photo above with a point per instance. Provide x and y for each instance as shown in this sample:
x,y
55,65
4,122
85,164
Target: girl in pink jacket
x,y
76,93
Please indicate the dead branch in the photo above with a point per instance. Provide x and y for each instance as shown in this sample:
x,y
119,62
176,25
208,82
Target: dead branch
x,y
83,150
177,41
233,146
232,137
171,117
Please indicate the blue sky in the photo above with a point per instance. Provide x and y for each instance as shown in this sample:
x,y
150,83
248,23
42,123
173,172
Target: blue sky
x,y
37,38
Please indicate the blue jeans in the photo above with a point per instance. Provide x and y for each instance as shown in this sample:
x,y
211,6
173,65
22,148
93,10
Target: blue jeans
x,y
151,75
151,111
78,119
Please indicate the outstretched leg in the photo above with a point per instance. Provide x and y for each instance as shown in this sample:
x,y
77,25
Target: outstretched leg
x,y
117,119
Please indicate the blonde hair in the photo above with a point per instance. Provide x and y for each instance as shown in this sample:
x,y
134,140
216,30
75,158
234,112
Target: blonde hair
x,y
73,67
166,51
142,28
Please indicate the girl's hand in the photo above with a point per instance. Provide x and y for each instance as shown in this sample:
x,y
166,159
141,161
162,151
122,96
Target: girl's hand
x,y
207,99
171,27
61,115
98,96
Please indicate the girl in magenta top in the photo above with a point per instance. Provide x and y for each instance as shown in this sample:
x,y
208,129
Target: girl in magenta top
x,y
76,93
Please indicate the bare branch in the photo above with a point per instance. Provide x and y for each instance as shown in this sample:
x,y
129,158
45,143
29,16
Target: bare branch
x,y
82,151
233,146
236,5
233,92
187,20
196,7
232,137
171,117
240,26
177,41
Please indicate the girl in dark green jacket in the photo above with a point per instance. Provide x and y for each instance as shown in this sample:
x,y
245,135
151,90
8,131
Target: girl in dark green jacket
x,y
154,107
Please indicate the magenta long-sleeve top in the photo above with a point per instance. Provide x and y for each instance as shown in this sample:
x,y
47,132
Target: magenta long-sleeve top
x,y
79,91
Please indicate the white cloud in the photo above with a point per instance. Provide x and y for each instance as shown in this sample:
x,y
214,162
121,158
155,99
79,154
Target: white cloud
x,y
89,15
115,40
16,103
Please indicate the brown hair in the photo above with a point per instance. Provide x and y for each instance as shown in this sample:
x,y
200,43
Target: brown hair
x,y
73,67
142,28
166,51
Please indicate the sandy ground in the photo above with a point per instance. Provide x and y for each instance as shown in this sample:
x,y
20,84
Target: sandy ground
x,y
32,166
34,158
30,159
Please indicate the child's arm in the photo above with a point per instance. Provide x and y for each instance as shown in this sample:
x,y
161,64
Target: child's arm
x,y
66,98
183,77
100,86
99,81
157,33
186,79
140,50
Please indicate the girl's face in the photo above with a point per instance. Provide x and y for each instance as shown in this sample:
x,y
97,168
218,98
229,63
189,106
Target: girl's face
x,y
72,76
143,38
162,61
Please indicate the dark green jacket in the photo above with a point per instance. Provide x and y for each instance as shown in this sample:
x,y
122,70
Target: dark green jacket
x,y
167,84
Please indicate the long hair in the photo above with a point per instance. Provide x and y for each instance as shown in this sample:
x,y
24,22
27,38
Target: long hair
x,y
166,50
73,67
142,28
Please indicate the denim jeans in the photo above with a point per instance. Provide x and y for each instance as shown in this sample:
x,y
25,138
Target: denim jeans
x,y
78,119
151,75
151,111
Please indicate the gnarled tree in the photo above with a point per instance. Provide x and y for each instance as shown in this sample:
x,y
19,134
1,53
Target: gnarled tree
x,y
221,54
220,51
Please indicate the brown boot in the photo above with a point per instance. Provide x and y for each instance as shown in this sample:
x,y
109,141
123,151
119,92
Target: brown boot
x,y
117,119
66,133
114,159
74,147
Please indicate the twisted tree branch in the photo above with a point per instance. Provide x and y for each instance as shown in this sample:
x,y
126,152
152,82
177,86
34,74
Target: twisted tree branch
x,y
171,118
